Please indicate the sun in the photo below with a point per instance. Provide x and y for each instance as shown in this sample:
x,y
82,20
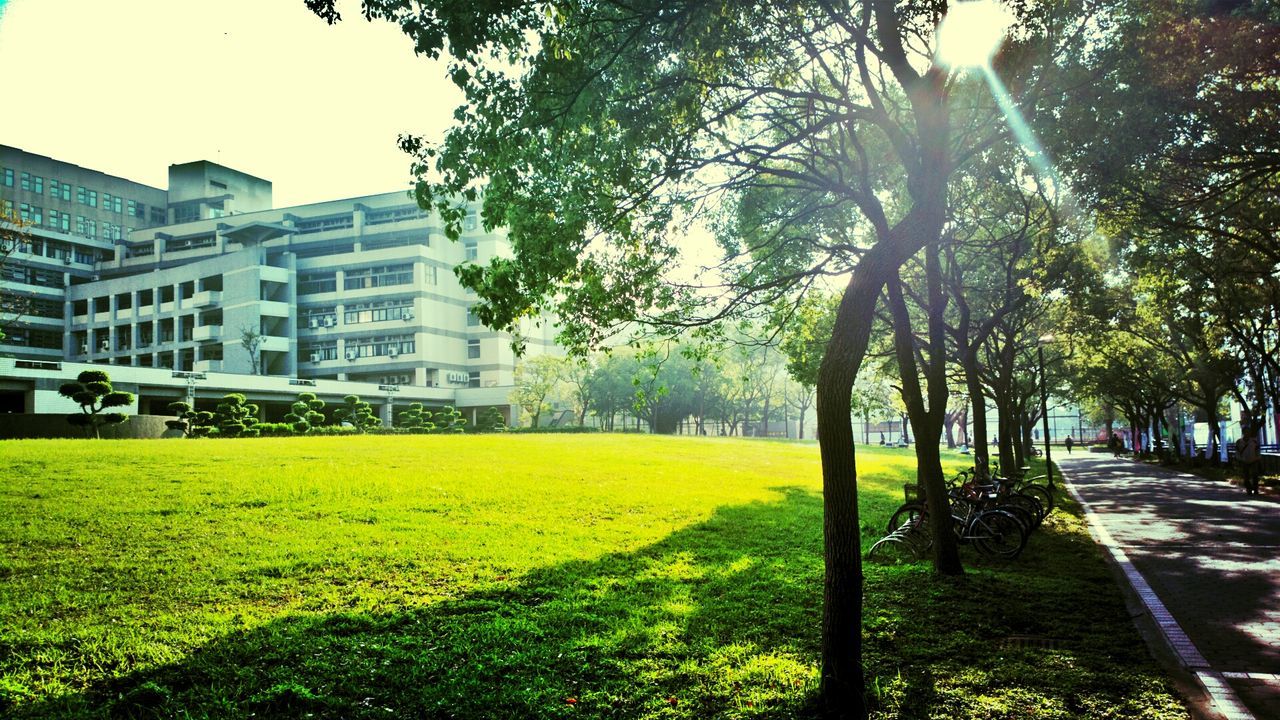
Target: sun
x,y
971,33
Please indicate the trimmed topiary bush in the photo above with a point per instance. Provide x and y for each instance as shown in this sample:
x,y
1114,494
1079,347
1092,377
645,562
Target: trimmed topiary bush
x,y
92,390
356,413
448,420
192,422
416,419
491,420
305,413
236,416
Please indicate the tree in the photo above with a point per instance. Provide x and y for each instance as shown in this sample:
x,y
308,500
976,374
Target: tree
x,y
491,420
251,341
416,419
536,380
610,122
92,391
192,422
14,235
356,413
306,412
449,420
235,416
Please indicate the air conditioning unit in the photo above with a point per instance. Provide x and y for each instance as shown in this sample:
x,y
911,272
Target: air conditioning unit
x,y
84,348
315,357
351,354
393,352
66,259
106,345
330,321
314,323
407,316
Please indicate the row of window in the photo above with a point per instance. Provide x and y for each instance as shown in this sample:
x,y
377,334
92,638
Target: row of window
x,y
59,190
391,346
313,283
31,276
35,215
62,251
34,338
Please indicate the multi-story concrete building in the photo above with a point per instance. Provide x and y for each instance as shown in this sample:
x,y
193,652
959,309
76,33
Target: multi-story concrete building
x,y
208,276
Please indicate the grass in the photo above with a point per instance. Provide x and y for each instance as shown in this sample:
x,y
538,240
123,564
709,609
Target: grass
x,y
521,576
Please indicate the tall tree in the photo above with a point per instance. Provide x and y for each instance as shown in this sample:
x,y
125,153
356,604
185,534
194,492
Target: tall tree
x,y
608,123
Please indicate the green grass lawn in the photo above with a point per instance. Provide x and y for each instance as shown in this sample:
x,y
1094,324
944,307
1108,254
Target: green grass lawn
x,y
536,576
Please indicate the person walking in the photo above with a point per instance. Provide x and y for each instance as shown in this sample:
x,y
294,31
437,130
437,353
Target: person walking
x,y
1249,455
1069,443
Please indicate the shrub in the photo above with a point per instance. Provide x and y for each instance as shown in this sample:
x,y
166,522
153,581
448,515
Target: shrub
x,y
491,420
235,416
448,420
192,422
281,429
415,419
325,430
305,413
356,413
93,392
571,430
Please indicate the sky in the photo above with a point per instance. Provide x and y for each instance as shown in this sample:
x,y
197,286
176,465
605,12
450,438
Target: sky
x,y
129,87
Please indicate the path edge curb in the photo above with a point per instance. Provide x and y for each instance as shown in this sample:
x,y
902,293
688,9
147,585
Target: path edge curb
x,y
1220,698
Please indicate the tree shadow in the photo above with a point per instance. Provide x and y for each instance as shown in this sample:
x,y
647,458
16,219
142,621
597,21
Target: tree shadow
x,y
703,621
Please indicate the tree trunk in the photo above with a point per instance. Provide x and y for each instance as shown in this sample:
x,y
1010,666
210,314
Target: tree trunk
x,y
980,447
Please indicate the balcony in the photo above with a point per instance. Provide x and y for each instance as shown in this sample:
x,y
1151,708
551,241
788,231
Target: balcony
x,y
274,343
205,333
208,366
274,274
272,308
206,298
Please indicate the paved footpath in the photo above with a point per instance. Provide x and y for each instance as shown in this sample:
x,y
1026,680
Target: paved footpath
x,y
1205,559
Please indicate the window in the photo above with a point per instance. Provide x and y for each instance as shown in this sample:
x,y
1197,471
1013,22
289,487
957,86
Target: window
x,y
186,213
321,224
8,177
378,312
312,283
380,346
60,221
31,214
378,277
112,203
472,250
137,209
85,196
473,320
470,222
217,185
86,227
473,379
317,317
26,181
59,190
37,186
473,349
158,216
7,207
84,256
319,352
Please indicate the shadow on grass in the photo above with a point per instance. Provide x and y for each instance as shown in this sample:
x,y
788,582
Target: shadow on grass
x,y
720,617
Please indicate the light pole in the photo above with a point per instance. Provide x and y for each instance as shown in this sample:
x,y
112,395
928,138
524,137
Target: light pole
x,y
391,391
191,378
1044,407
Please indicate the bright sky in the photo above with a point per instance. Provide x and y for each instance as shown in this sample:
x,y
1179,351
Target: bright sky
x,y
129,87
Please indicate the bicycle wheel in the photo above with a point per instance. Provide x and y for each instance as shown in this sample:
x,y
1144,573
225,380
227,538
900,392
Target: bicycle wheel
x,y
1042,495
1027,504
908,513
894,550
1025,518
997,533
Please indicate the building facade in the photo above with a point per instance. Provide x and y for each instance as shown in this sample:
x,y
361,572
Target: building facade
x,y
207,276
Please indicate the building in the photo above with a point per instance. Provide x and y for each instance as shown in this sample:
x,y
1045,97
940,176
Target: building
x,y
207,276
